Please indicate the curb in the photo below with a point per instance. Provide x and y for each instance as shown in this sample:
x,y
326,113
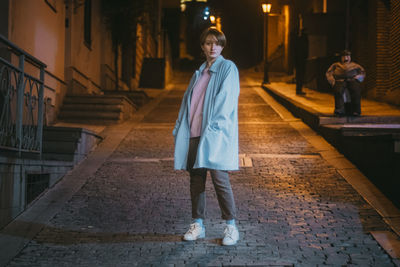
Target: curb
x,y
371,194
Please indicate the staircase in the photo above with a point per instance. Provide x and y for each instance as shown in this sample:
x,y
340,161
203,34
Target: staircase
x,y
138,97
96,109
68,143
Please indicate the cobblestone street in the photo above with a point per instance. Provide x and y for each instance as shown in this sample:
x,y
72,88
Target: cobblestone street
x,y
294,208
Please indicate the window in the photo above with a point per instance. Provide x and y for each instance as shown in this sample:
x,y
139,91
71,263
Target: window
x,y
87,24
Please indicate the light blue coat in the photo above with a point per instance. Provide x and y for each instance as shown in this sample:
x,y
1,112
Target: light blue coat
x,y
218,147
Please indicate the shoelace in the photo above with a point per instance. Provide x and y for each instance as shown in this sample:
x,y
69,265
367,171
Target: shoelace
x,y
192,228
229,231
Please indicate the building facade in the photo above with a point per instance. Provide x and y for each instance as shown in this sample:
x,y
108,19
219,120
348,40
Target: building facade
x,y
71,38
369,28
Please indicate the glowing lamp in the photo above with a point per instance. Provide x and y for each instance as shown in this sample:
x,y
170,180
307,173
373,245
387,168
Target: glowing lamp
x,y
212,19
266,8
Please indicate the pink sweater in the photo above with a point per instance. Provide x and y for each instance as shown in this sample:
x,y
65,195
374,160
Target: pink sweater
x,y
196,104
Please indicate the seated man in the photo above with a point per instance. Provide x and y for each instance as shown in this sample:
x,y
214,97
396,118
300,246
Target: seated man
x,y
342,75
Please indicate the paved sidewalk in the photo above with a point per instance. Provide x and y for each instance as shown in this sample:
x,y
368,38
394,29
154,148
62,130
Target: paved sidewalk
x,y
321,102
321,105
324,103
126,206
316,109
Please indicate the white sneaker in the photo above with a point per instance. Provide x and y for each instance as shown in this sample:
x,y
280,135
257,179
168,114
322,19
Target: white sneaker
x,y
195,231
231,235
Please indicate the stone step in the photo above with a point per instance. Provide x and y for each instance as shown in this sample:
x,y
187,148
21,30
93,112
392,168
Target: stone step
x,y
359,120
95,99
60,157
82,115
91,121
138,97
51,133
96,109
60,147
67,144
366,129
92,107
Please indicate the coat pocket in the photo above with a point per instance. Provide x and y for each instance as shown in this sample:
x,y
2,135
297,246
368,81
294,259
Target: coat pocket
x,y
175,130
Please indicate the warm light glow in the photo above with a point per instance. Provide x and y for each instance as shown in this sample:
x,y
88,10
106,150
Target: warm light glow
x,y
286,12
183,7
212,19
219,27
266,8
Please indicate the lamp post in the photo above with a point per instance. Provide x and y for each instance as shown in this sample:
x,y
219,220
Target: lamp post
x,y
266,9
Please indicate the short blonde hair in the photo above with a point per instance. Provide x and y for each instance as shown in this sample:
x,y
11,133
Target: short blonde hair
x,y
221,39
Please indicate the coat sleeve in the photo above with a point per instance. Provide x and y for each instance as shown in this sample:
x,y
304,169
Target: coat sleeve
x,y
183,106
329,74
360,77
226,100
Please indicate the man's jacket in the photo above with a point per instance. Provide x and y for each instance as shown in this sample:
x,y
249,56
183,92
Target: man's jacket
x,y
342,72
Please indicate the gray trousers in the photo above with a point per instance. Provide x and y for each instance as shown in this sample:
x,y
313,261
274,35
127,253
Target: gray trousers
x,y
354,88
221,183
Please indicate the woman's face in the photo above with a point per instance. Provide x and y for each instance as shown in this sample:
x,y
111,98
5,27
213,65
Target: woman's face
x,y
211,48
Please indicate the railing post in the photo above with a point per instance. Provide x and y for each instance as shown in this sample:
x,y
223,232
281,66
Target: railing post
x,y
40,111
20,103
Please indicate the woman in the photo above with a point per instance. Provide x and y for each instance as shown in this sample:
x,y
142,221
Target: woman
x,y
206,134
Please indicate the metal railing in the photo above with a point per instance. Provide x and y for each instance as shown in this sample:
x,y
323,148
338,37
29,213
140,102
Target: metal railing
x,y
21,100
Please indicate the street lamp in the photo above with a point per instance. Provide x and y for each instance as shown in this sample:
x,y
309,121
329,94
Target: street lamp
x,y
212,19
266,9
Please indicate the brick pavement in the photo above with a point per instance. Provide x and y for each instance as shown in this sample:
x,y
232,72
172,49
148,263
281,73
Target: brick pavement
x,y
294,209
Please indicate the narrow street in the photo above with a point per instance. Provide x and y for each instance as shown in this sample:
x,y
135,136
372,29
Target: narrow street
x,y
294,208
